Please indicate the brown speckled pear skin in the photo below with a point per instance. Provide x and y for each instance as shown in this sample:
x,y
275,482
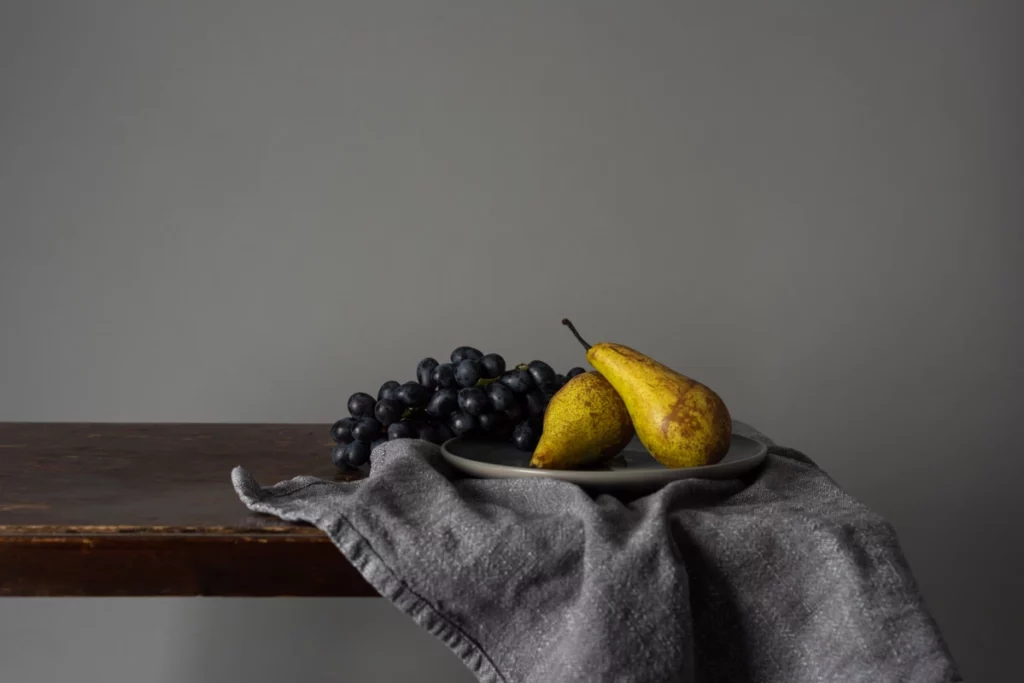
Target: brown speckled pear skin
x,y
586,423
679,420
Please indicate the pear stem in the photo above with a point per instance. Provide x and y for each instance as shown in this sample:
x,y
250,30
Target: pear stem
x,y
568,323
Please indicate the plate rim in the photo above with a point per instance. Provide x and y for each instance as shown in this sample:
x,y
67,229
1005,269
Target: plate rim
x,y
614,477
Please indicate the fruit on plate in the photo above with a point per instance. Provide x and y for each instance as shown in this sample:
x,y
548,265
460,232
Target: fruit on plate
x,y
680,421
586,424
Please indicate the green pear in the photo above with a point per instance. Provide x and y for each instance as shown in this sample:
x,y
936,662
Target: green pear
x,y
680,421
586,424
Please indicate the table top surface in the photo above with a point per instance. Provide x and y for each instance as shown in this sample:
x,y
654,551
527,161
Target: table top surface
x,y
117,496
153,478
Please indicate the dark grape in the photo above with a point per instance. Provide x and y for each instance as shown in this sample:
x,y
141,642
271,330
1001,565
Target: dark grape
x,y
444,376
357,453
427,431
492,365
504,430
341,431
378,442
501,396
417,415
443,403
549,389
536,403
435,432
575,371
388,411
401,430
462,423
517,411
491,423
519,381
525,436
413,394
367,429
473,400
560,381
541,372
339,458
467,372
464,352
360,404
444,432
388,390
425,372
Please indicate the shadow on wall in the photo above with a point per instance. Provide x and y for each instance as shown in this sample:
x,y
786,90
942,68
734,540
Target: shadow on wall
x,y
309,639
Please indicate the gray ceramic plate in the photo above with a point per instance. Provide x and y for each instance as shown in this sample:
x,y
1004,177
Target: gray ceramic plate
x,y
635,470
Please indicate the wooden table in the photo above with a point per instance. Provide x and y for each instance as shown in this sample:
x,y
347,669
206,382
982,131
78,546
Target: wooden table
x,y
148,510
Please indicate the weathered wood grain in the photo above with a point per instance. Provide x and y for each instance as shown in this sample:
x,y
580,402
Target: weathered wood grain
x,y
148,509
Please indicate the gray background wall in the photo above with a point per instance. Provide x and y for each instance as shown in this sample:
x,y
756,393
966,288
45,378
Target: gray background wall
x,y
244,211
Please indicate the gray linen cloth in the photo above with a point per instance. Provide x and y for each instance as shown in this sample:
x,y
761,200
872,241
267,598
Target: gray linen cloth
x,y
778,576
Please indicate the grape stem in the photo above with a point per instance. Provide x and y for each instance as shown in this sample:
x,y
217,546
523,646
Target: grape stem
x,y
568,323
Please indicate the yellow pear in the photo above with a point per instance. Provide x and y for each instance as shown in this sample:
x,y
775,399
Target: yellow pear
x,y
586,423
680,421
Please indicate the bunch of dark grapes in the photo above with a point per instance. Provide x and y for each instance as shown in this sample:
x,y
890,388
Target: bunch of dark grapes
x,y
472,395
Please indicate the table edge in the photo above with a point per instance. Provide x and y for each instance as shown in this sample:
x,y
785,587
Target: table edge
x,y
197,565
23,531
